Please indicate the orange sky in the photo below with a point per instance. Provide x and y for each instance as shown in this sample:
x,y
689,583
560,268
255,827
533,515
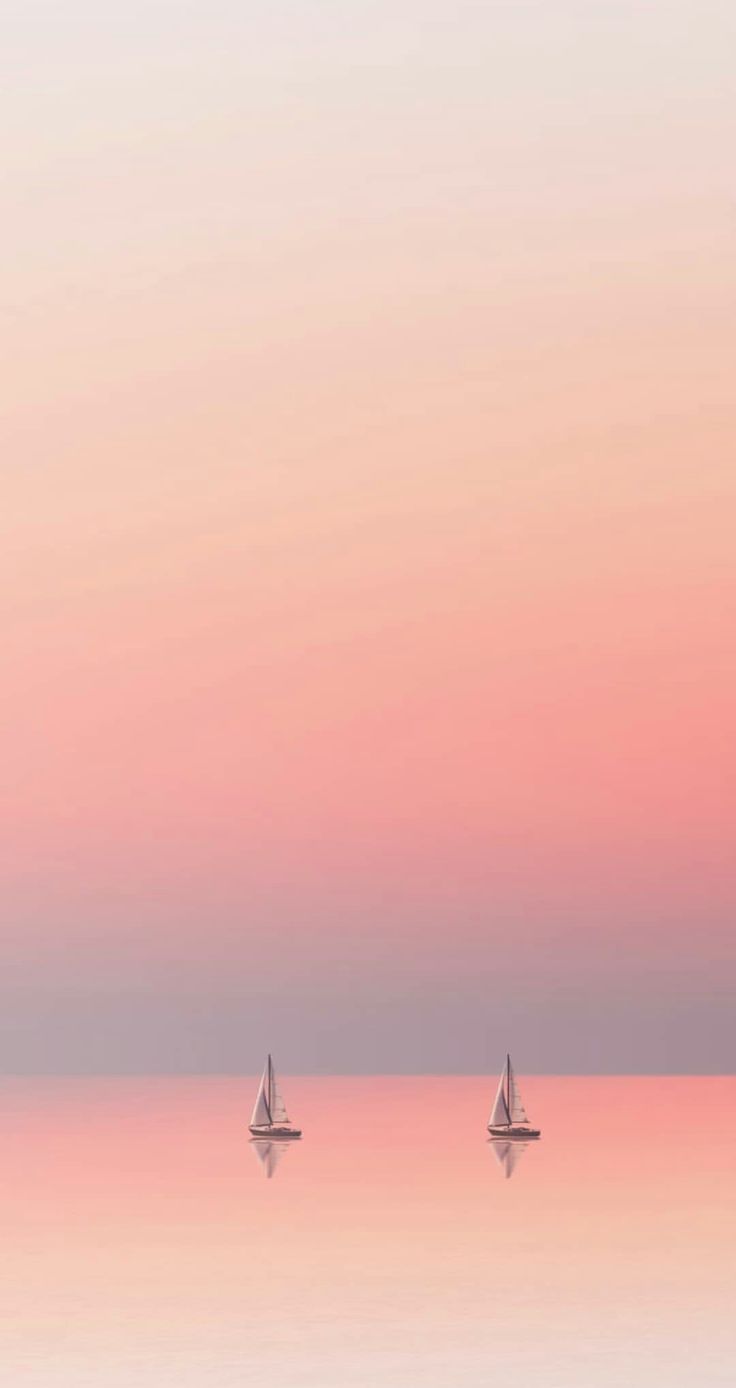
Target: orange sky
x,y
367,529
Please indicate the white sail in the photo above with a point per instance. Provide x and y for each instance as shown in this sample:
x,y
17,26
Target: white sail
x,y
499,1112
278,1107
516,1108
261,1115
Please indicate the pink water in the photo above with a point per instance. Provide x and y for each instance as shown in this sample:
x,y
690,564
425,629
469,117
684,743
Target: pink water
x,y
144,1243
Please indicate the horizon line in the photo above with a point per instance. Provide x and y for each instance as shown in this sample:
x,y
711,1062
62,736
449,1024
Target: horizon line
x,y
360,1074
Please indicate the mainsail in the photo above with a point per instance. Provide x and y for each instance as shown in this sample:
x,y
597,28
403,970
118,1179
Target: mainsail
x,y
261,1115
278,1108
269,1107
508,1110
516,1108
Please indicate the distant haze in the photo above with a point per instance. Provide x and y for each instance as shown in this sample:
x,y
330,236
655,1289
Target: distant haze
x,y
367,512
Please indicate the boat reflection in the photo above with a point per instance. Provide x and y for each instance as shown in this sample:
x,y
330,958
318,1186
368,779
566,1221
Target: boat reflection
x,y
508,1153
269,1152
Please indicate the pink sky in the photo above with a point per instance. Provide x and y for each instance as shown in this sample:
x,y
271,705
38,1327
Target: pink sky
x,y
367,528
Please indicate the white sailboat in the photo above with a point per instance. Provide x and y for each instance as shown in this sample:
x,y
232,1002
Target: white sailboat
x,y
508,1116
269,1118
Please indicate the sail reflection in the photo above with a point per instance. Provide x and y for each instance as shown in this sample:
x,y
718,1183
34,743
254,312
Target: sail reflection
x,y
508,1154
269,1153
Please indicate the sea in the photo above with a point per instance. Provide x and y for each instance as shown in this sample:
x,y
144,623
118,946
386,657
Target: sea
x,y
147,1242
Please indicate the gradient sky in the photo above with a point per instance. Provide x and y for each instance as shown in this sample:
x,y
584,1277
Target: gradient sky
x,y
367,511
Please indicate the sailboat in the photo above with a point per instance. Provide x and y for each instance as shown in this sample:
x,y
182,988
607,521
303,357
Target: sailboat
x,y
269,1117
508,1116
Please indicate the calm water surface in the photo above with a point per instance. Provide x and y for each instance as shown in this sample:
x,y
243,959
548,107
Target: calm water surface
x,y
146,1242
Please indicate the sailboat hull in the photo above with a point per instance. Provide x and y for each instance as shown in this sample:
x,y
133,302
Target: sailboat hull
x,y
274,1132
523,1134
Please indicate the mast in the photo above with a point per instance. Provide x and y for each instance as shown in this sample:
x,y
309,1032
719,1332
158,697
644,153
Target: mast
x,y
508,1088
270,1086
